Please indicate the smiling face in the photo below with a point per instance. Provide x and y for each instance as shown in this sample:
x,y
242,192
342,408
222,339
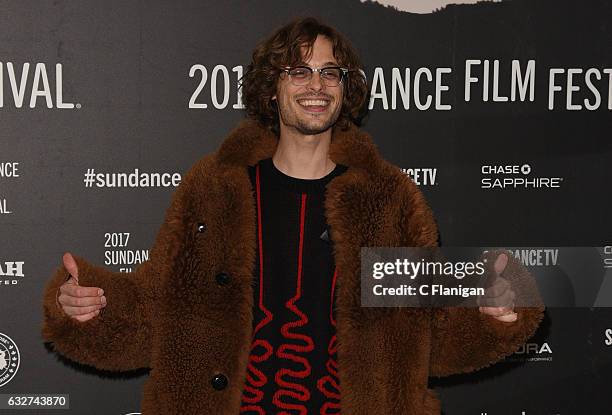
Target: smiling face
x,y
312,108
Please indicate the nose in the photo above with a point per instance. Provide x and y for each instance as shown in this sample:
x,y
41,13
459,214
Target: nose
x,y
315,82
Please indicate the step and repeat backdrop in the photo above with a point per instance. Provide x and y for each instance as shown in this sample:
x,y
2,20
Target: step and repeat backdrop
x,y
500,111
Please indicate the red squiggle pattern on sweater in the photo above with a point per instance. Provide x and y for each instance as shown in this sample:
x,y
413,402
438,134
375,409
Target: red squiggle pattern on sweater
x,y
329,384
253,394
286,387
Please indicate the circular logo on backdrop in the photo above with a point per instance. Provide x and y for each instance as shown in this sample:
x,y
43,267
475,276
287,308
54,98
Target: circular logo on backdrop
x,y
525,169
9,359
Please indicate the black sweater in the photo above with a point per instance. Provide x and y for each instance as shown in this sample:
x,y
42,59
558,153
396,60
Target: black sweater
x,y
292,367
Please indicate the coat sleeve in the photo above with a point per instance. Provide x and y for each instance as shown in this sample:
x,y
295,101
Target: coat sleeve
x,y
464,339
119,338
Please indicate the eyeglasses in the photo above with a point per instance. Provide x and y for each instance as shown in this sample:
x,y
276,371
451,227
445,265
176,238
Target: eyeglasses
x,y
330,75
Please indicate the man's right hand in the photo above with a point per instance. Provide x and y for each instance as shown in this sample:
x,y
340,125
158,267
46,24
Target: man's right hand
x,y
80,303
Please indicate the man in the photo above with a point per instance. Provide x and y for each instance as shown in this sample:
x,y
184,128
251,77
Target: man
x,y
250,302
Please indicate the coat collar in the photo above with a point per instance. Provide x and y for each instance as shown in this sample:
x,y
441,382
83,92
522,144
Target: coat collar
x,y
249,142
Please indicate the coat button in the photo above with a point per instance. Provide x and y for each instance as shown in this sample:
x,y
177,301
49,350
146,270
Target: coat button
x,y
222,278
201,227
219,381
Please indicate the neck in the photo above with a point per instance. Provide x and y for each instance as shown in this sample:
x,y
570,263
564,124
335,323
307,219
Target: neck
x,y
303,156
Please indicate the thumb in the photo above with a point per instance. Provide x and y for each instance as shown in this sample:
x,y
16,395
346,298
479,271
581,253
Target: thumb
x,y
494,271
500,263
71,265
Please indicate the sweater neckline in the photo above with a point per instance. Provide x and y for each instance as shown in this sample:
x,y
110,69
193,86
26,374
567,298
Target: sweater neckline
x,y
294,184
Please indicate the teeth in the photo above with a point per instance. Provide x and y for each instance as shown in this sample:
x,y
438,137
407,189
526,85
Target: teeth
x,y
311,102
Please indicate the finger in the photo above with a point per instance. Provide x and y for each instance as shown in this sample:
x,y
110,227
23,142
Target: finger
x,y
500,263
79,291
68,300
496,311
71,265
508,317
87,316
76,311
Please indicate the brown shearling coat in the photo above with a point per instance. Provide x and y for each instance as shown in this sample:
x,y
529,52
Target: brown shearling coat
x,y
172,316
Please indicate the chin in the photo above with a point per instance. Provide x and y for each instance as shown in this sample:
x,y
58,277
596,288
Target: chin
x,y
315,128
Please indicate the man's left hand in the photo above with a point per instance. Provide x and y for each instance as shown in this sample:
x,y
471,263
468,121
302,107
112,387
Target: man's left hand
x,y
498,300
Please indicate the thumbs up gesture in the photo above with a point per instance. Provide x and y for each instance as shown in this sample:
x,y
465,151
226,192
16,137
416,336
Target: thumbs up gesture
x,y
498,300
80,303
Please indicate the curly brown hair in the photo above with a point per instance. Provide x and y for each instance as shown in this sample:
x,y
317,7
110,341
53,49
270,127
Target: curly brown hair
x,y
283,48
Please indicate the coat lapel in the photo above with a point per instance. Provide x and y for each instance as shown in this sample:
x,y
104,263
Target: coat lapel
x,y
249,143
358,187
